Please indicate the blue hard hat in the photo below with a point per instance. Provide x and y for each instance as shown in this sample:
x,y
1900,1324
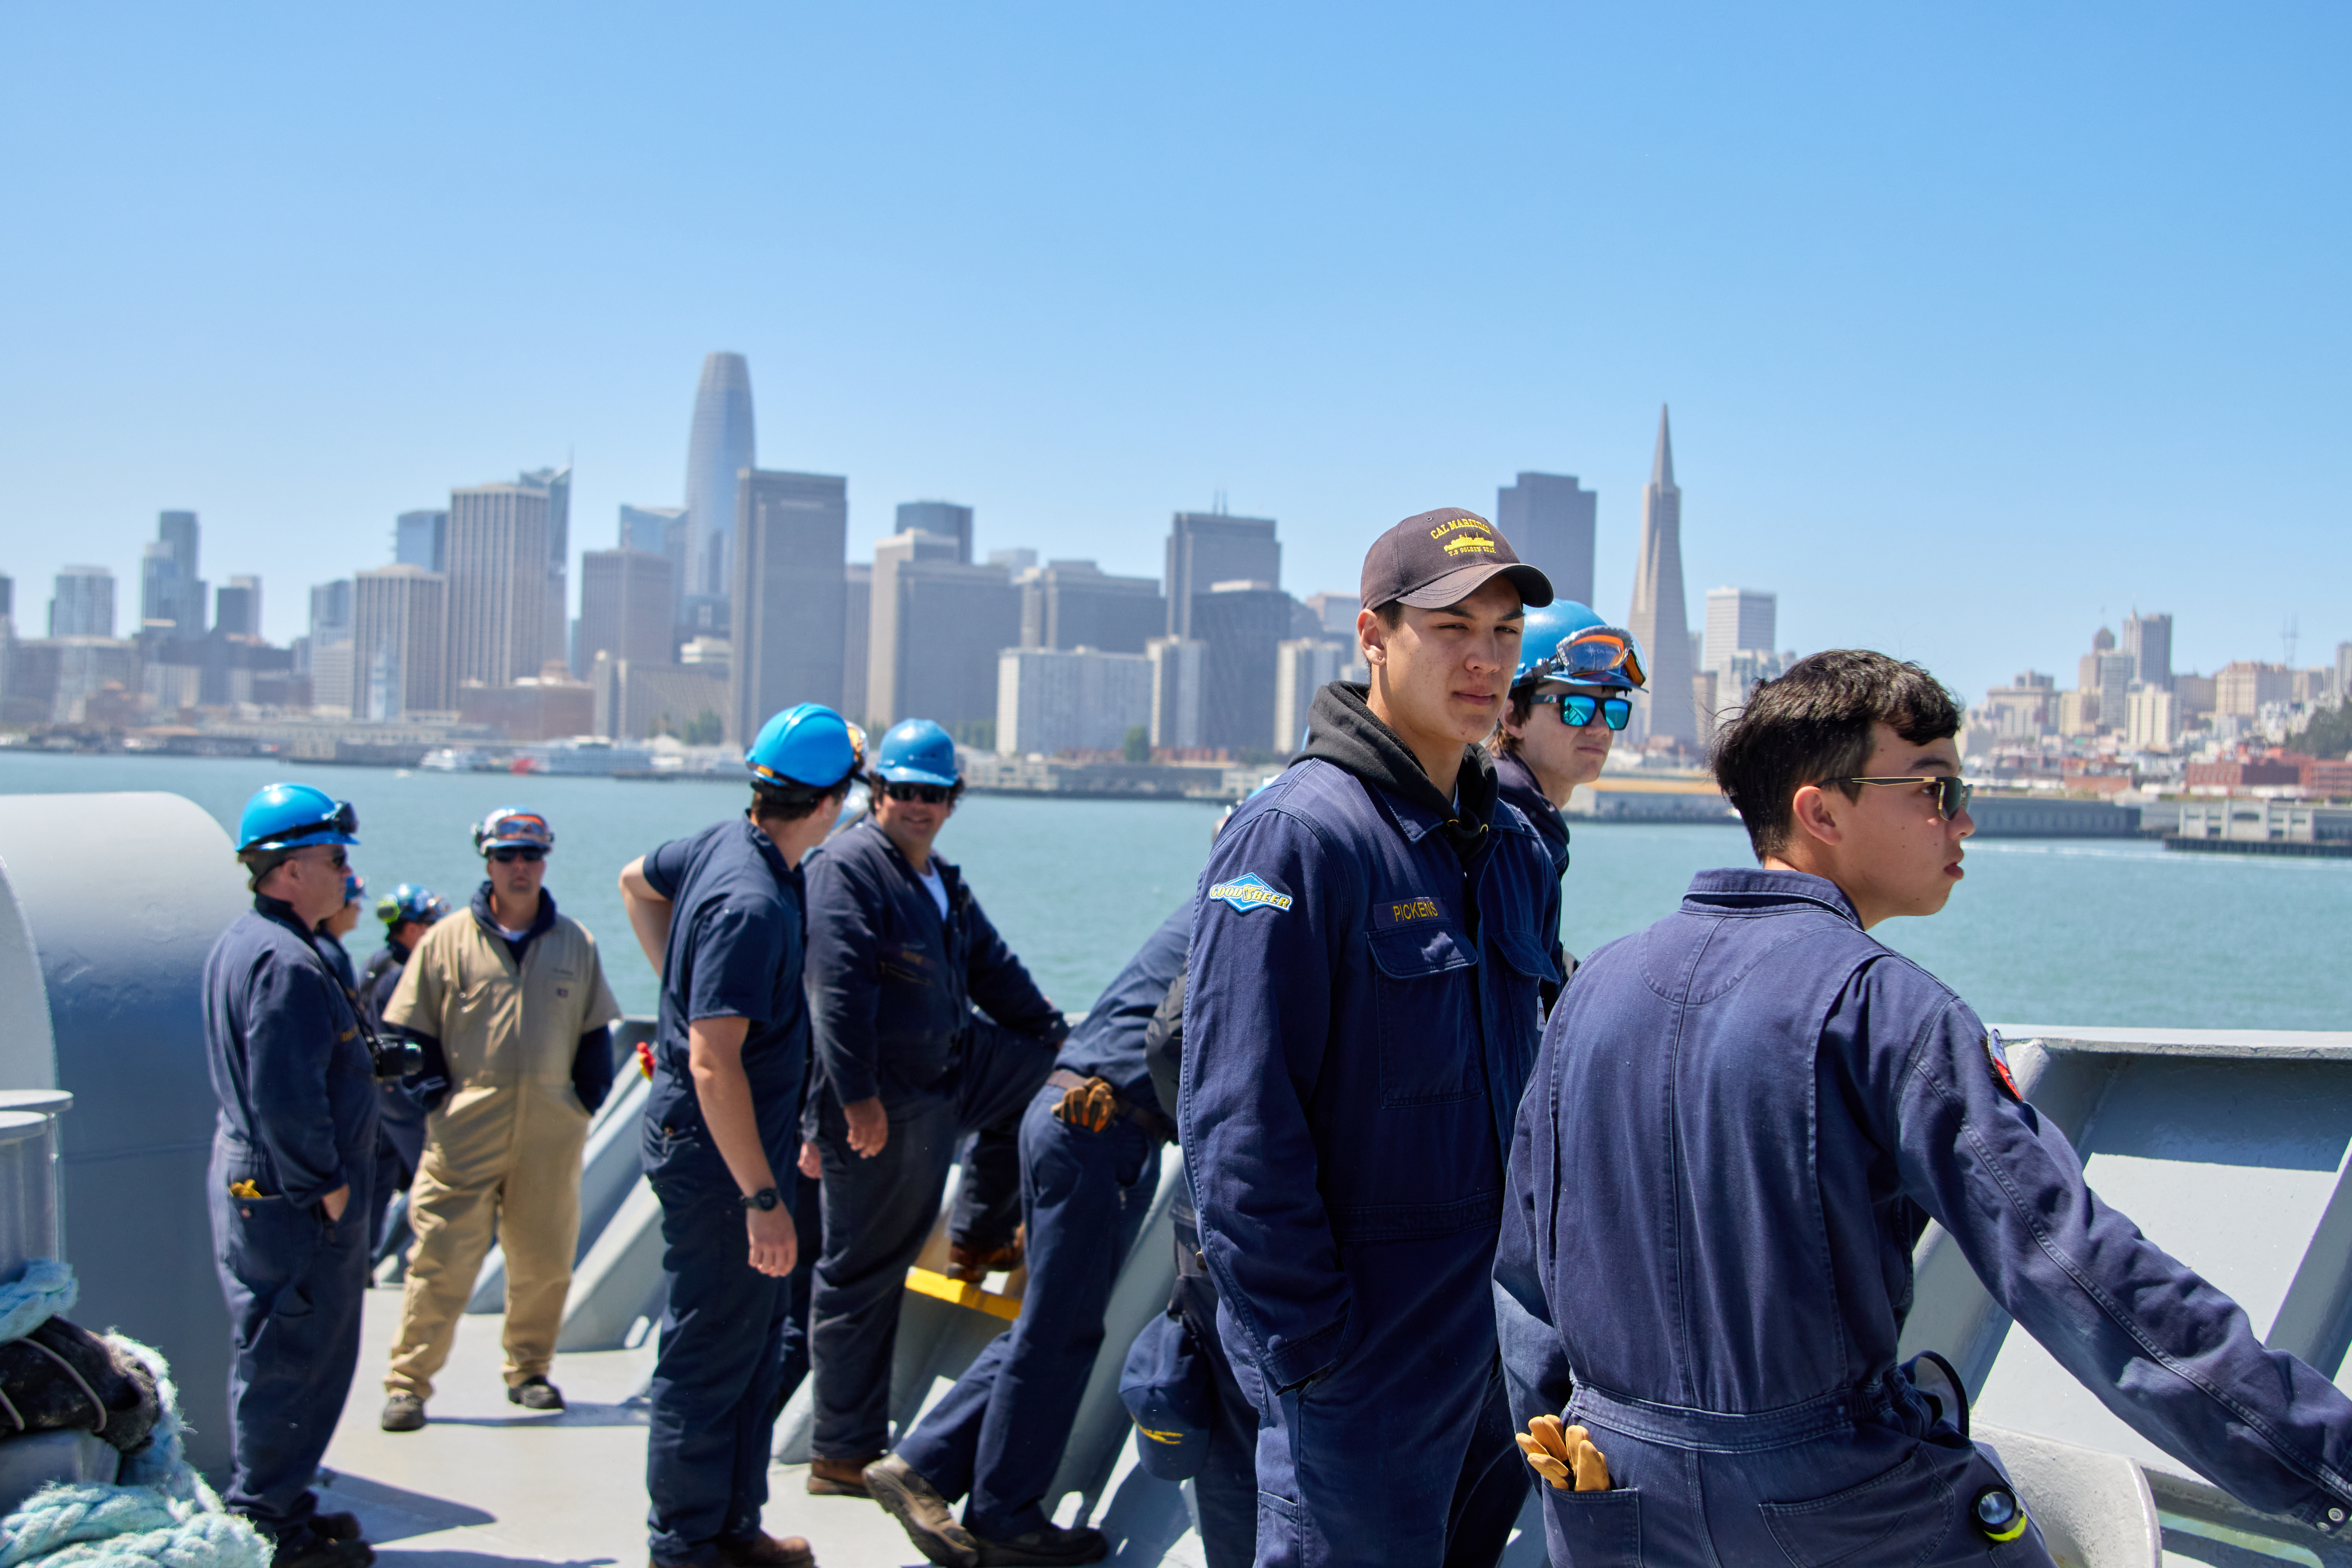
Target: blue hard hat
x,y
354,887
809,744
513,828
1608,657
293,815
917,750
410,903
1547,628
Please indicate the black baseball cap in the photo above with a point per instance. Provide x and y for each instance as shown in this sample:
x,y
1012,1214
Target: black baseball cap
x,y
1440,558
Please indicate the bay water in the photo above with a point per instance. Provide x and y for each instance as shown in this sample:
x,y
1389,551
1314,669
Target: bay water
x,y
2090,933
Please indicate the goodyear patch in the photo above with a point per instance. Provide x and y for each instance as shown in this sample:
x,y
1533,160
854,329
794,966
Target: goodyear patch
x,y
1250,891
1405,910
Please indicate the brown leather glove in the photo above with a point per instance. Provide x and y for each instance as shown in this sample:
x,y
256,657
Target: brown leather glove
x,y
1562,1454
1090,1105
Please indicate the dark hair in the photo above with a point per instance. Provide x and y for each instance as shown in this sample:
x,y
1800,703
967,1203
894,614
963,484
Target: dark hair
x,y
1392,614
791,803
259,863
1523,708
1813,724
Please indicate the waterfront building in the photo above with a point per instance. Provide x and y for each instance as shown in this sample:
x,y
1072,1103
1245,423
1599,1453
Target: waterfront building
x,y
936,625
1550,521
719,447
1303,667
1075,603
626,607
2148,640
1050,700
82,605
949,521
170,590
1660,617
236,608
498,585
1176,668
1208,548
856,634
2244,685
790,539
2151,718
397,660
1737,620
421,539
1242,625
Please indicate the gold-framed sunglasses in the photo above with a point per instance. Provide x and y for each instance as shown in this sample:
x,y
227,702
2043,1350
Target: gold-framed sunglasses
x,y
1952,794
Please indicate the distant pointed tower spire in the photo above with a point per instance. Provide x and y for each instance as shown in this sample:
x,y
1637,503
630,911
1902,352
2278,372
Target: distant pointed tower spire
x,y
1660,617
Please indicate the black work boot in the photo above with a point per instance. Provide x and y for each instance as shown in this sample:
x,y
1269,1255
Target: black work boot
x,y
1048,1548
921,1513
403,1413
535,1393
308,1547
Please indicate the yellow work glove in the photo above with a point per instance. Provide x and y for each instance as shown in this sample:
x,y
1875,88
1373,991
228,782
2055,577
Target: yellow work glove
x,y
1090,1105
1564,1455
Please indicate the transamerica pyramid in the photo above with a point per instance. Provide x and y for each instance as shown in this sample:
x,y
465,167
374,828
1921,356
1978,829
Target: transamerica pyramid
x,y
1658,617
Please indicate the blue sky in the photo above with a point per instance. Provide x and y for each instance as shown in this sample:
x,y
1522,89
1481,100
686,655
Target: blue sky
x,y
1979,323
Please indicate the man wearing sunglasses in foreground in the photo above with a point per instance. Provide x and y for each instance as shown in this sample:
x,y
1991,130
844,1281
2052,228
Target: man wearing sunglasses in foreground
x,y
1741,1121
510,1008
291,1163
1573,692
899,955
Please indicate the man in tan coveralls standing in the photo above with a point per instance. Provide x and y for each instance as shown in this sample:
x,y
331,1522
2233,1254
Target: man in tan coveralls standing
x,y
509,1005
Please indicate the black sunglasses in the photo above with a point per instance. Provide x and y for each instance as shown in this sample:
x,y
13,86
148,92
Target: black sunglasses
x,y
1951,794
929,794
506,854
1577,708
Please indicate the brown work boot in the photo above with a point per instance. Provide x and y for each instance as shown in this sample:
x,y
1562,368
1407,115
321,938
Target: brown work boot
x,y
832,1477
972,1265
921,1513
765,1550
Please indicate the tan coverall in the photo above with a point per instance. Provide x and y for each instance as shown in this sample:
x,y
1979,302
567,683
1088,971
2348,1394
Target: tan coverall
x,y
503,1149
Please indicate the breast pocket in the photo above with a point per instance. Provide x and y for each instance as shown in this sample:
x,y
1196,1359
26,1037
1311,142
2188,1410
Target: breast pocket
x,y
1421,980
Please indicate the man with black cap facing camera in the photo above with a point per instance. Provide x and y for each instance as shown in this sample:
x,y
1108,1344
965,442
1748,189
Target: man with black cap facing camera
x,y
1345,1133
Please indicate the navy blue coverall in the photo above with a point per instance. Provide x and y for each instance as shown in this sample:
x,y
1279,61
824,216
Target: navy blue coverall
x,y
1517,784
1000,1432
400,1120
1358,1021
298,1120
892,987
737,937
1741,1121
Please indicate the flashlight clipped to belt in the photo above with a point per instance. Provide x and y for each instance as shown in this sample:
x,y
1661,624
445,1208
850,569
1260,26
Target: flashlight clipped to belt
x,y
2000,1517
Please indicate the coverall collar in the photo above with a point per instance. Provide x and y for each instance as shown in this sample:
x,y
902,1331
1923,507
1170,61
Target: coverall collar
x,y
1755,891
949,876
280,910
541,923
1342,729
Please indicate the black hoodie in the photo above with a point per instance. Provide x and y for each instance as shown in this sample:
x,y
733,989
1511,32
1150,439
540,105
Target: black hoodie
x,y
1342,729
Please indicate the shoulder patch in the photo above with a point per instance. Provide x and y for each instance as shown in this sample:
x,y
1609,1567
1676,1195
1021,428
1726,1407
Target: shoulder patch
x,y
1250,891
1997,1055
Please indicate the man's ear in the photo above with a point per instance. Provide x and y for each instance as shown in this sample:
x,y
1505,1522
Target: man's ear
x,y
1372,637
1809,811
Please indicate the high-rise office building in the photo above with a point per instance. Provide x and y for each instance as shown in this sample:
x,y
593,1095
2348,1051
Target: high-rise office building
x,y
399,641
1241,628
2086,668
791,534
1737,620
1303,667
497,597
82,605
171,592
1176,671
718,449
1050,700
236,608
1075,603
1336,613
330,642
937,626
2148,640
1660,617
948,520
1206,548
660,530
857,638
421,539
2113,683
556,483
1549,519
625,607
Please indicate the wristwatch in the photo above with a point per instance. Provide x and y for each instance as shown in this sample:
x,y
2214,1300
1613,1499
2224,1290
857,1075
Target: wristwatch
x,y
765,1198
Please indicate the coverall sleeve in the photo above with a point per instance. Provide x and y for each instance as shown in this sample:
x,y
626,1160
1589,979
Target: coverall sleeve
x,y
845,985
592,1061
664,867
1536,1372
1257,1022
1000,983
738,948
291,1031
2160,1346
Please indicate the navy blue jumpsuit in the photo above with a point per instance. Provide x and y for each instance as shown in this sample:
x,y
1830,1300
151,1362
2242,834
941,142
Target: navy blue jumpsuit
x,y
737,937
298,1120
1360,1019
892,985
1742,1120
1517,784
1000,1432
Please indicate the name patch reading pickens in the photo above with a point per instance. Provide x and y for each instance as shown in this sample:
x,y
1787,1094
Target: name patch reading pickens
x,y
1404,912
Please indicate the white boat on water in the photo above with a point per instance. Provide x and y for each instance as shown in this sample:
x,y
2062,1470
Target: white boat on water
x,y
590,754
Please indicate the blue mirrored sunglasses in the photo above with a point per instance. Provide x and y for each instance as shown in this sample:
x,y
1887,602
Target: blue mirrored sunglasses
x,y
1577,708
